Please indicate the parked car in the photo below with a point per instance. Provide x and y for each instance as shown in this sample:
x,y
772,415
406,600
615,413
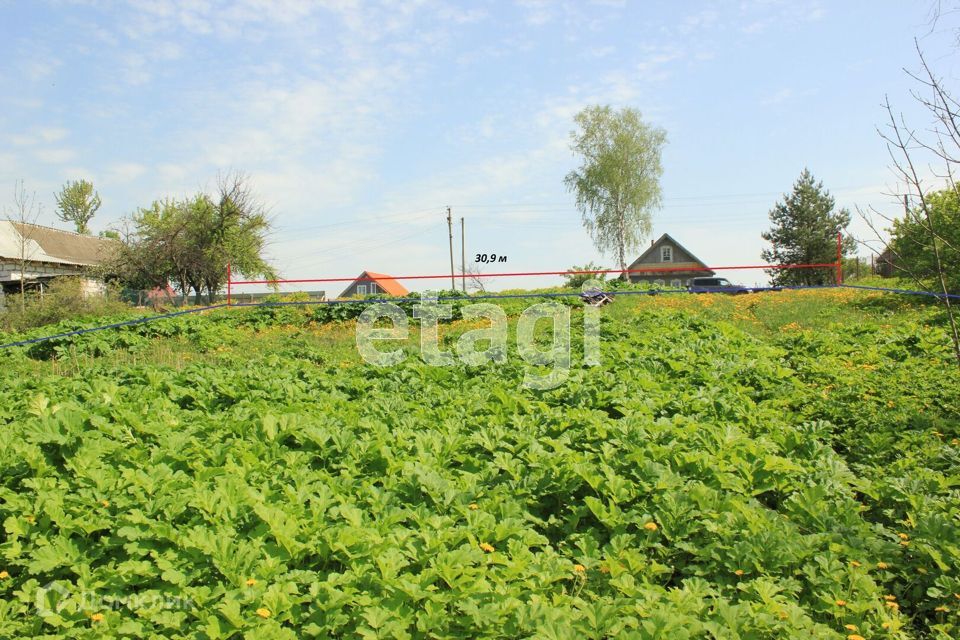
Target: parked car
x,y
716,285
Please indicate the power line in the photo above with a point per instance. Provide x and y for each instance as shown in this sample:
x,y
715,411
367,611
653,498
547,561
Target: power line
x,y
355,249
403,216
722,196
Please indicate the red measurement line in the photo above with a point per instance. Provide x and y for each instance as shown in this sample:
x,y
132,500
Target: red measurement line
x,y
831,265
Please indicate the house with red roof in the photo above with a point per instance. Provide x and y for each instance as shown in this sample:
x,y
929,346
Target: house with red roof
x,y
370,283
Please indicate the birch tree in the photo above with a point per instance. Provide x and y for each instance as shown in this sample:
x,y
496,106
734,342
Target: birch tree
x,y
24,217
617,185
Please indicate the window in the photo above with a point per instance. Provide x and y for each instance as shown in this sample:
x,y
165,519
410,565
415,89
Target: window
x,y
675,284
373,288
361,289
666,254
659,283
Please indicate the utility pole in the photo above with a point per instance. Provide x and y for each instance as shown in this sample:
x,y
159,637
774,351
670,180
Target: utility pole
x,y
463,257
453,280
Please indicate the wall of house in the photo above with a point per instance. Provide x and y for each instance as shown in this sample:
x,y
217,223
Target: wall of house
x,y
667,279
671,280
370,288
10,271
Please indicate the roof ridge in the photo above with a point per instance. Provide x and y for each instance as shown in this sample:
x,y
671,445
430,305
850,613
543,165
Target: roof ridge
x,y
49,228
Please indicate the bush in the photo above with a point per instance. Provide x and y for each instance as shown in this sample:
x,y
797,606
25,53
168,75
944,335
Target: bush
x,y
64,299
576,280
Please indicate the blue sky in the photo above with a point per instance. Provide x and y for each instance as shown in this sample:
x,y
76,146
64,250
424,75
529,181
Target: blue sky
x,y
358,123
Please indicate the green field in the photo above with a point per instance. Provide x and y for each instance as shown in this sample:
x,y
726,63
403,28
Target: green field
x,y
781,465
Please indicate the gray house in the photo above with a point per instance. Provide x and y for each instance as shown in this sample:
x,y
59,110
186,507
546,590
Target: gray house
x,y
667,264
886,264
39,254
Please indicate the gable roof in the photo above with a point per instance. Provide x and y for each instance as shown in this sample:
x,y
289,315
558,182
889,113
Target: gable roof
x,y
695,265
385,282
45,244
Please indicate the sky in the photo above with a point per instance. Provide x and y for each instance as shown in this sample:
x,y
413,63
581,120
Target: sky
x,y
358,123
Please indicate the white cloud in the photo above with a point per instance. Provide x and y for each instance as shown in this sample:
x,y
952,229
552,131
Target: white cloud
x,y
777,97
38,135
459,15
134,69
38,69
125,171
702,20
538,12
54,156
601,51
785,94
52,134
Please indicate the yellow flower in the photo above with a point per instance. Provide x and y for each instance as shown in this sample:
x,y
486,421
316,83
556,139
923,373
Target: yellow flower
x,y
31,519
903,536
854,636
473,506
650,526
893,605
579,568
854,563
485,546
889,598
841,603
783,615
97,617
604,569
942,609
850,627
251,582
904,543
4,575
105,503
883,565
738,572
263,612
885,625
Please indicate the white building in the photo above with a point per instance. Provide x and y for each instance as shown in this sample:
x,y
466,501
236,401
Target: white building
x,y
47,253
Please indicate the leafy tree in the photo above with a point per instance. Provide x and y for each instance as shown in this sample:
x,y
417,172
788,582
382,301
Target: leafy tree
x,y
77,202
575,280
190,242
805,228
912,247
935,146
617,185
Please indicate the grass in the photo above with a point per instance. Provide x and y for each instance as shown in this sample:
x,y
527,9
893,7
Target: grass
x,y
772,465
762,315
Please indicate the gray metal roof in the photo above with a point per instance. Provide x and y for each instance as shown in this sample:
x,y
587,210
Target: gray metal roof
x,y
45,244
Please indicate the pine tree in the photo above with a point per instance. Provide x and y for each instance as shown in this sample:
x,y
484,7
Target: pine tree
x,y
805,228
